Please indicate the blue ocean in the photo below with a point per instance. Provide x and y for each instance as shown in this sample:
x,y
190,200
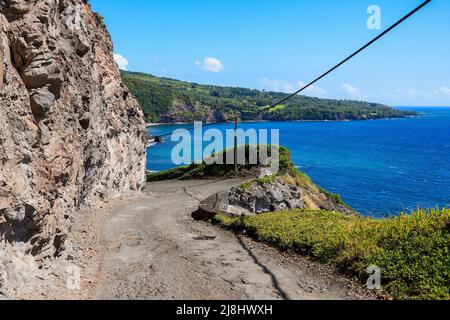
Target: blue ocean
x,y
380,168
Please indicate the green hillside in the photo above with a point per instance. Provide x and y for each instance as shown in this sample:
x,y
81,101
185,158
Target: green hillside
x,y
168,101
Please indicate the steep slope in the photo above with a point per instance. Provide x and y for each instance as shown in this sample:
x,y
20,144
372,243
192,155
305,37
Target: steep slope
x,y
169,101
71,133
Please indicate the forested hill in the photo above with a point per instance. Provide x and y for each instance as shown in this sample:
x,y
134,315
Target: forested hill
x,y
169,101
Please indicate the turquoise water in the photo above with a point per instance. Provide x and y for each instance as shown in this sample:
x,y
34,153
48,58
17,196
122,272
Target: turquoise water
x,y
379,167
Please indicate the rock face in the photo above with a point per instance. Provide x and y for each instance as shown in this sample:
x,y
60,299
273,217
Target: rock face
x,y
70,131
283,193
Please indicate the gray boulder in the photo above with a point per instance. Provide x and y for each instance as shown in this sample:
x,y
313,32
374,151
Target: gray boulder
x,y
41,101
261,197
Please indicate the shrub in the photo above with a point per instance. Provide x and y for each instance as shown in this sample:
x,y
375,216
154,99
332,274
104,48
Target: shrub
x,y
412,250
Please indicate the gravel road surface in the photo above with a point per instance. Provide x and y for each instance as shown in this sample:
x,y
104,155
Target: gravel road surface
x,y
152,249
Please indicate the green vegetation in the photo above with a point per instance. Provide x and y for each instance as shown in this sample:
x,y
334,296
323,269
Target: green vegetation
x,y
193,171
98,16
336,197
413,251
287,171
273,109
206,171
100,19
168,100
248,184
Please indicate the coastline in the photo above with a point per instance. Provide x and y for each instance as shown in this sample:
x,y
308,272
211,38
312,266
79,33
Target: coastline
x,y
149,125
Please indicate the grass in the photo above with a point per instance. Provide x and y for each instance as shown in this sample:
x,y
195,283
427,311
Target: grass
x,y
413,251
275,108
336,197
203,170
248,184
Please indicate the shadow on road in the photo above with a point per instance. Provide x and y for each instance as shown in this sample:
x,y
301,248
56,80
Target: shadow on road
x,y
266,270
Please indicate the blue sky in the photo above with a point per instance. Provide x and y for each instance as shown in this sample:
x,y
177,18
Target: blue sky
x,y
280,44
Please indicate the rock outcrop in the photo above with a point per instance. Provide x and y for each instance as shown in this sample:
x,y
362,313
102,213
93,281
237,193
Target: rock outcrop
x,y
70,131
279,193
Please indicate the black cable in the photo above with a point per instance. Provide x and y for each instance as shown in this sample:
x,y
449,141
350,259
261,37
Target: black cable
x,y
381,35
352,55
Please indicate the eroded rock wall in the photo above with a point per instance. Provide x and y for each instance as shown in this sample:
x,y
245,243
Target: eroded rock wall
x,y
70,132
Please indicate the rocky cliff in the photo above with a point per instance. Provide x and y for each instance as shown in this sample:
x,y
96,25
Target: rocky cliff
x,y
70,131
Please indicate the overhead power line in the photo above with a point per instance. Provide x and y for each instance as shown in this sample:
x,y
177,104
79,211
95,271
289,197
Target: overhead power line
x,y
381,35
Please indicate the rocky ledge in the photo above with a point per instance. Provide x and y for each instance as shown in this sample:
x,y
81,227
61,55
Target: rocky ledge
x,y
270,194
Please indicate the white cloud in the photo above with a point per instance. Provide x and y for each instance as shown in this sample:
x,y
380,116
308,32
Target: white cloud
x,y
413,94
313,90
160,66
425,94
352,91
287,87
277,85
210,64
270,84
121,61
445,90
156,62
394,96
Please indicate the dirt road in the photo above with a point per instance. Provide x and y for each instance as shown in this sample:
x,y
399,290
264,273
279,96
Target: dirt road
x,y
153,249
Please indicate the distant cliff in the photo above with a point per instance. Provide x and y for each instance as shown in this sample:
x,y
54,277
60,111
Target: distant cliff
x,y
169,101
70,131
